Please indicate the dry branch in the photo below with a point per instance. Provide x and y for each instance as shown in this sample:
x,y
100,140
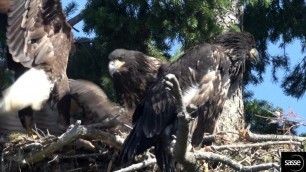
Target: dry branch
x,y
66,138
106,137
252,137
138,166
76,19
180,147
233,164
45,147
262,144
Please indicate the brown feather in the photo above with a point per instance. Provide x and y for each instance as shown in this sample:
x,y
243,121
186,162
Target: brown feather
x,y
95,103
4,6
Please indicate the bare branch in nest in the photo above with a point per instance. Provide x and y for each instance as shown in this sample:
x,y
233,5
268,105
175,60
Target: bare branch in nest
x,y
138,166
66,138
233,164
262,144
105,137
46,146
252,137
80,156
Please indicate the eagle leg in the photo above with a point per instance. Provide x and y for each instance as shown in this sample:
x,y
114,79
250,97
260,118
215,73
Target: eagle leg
x,y
63,107
26,119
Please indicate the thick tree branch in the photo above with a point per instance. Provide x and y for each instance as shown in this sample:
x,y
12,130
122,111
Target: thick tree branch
x,y
180,147
262,144
252,137
76,19
233,164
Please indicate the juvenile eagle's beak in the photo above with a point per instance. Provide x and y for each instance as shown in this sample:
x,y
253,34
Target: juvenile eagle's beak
x,y
114,66
254,55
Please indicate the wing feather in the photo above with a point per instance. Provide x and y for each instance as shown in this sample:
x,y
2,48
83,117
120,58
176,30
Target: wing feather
x,y
32,24
95,101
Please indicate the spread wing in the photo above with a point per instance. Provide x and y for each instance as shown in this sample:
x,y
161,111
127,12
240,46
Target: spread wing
x,y
38,33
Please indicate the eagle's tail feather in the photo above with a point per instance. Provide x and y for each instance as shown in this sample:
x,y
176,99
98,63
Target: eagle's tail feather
x,y
30,89
164,157
136,143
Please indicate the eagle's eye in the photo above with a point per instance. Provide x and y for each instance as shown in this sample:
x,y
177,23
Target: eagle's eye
x,y
120,58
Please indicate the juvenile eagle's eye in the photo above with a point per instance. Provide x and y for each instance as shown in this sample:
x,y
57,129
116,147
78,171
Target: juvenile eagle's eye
x,y
120,58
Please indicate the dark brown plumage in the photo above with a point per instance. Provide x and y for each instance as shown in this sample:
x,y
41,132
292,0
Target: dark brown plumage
x,y
133,73
205,73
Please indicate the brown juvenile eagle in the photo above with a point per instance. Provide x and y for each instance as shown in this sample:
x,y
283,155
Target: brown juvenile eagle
x,y
39,38
205,73
133,73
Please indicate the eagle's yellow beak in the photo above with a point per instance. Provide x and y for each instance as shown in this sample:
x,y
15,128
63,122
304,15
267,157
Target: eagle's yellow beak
x,y
254,55
114,66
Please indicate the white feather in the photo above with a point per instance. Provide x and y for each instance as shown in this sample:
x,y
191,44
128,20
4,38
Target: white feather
x,y
30,89
190,93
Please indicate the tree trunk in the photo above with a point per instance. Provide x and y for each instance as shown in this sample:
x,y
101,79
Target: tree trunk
x,y
232,116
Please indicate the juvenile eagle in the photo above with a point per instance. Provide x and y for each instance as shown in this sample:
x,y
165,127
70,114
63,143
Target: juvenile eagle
x,y
39,38
205,73
133,73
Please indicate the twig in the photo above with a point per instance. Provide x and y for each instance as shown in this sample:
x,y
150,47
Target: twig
x,y
233,164
110,164
138,165
81,155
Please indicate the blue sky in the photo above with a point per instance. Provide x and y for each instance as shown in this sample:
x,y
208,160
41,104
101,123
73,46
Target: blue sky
x,y
267,90
272,92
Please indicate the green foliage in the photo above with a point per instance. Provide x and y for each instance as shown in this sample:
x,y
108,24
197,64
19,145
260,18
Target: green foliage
x,y
70,8
257,114
274,21
90,63
135,24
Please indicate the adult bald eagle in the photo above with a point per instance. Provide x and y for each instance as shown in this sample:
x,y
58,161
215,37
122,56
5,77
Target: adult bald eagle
x,y
133,73
205,73
39,38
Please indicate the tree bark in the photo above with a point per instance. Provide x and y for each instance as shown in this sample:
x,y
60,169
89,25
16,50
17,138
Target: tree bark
x,y
232,117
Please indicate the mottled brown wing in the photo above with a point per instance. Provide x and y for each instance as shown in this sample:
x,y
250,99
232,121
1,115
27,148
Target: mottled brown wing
x,y
38,33
95,102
